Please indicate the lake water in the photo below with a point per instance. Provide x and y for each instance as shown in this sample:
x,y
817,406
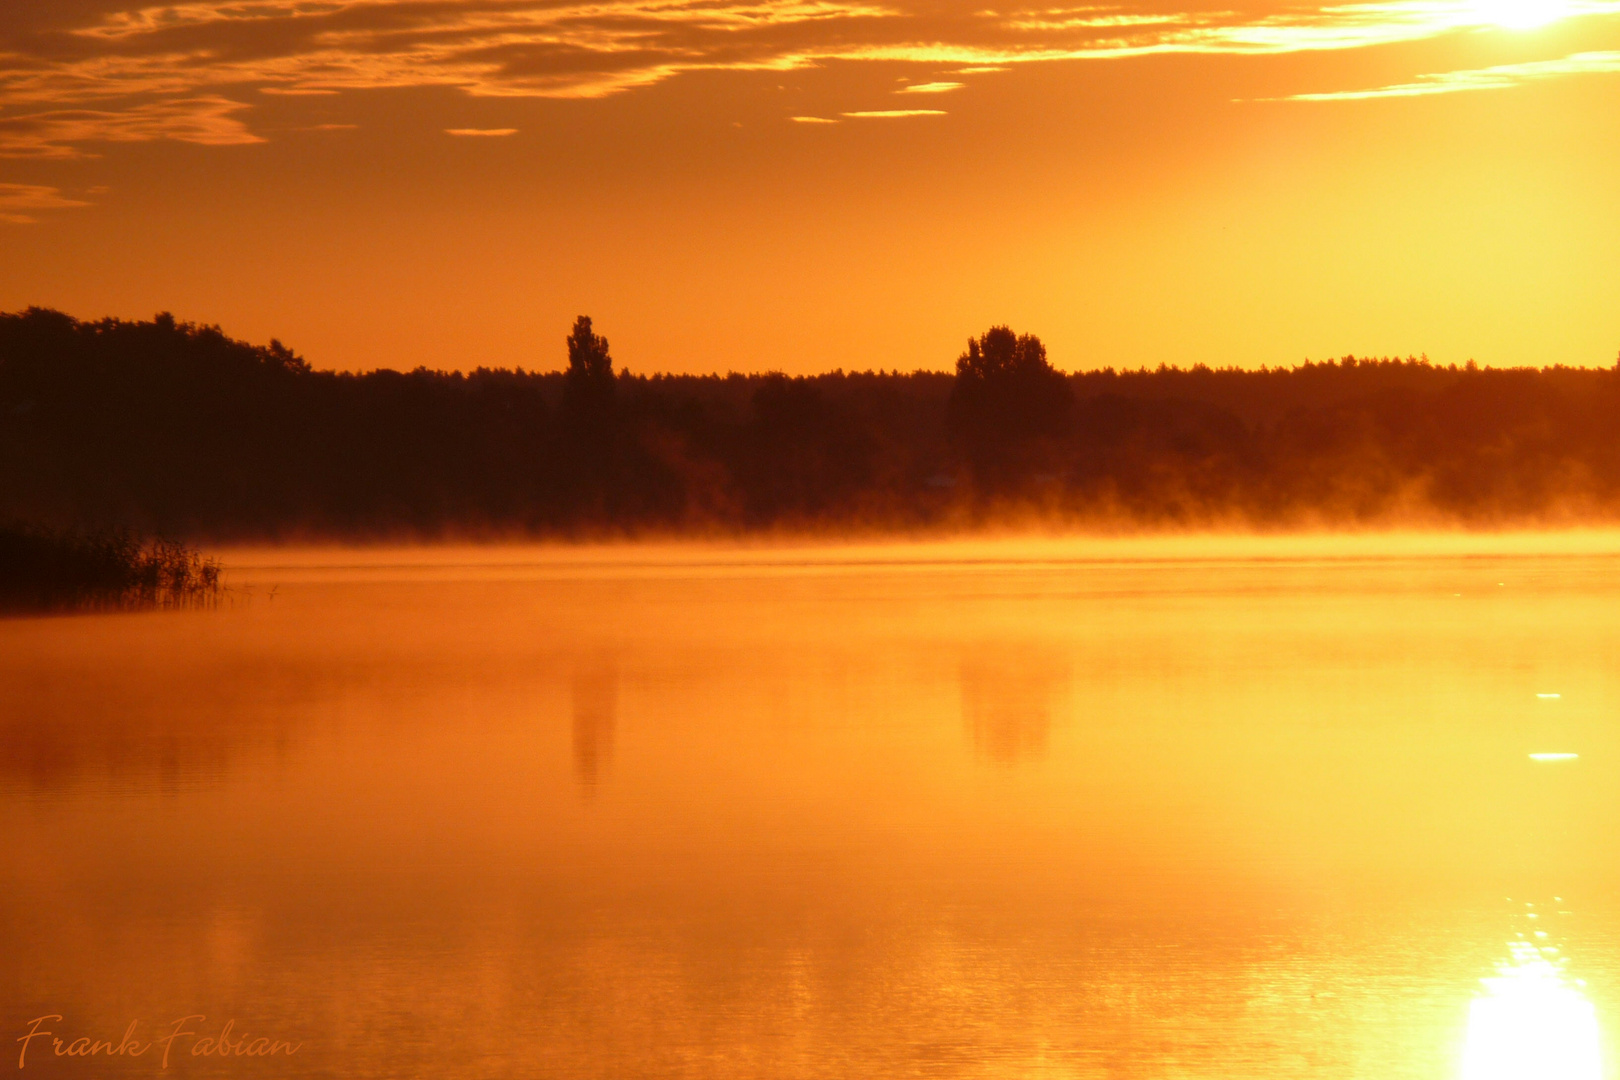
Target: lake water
x,y
1254,810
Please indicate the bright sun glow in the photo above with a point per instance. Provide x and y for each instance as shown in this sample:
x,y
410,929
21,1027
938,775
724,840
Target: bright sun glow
x,y
1531,1023
1522,14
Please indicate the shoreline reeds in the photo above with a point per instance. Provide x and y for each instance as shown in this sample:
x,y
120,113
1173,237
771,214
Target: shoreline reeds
x,y
43,569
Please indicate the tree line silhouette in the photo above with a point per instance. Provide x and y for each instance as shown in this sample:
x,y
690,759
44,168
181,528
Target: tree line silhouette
x,y
176,428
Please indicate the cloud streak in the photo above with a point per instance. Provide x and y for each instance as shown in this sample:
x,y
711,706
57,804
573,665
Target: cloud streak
x,y
1501,77
893,114
55,133
16,200
185,71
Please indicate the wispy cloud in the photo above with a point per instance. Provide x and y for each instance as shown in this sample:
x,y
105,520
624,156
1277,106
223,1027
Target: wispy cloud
x,y
476,133
893,114
930,88
1086,18
16,200
55,133
1500,77
180,71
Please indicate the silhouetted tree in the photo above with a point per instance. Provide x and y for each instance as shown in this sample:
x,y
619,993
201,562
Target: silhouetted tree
x,y
1007,396
591,454
588,390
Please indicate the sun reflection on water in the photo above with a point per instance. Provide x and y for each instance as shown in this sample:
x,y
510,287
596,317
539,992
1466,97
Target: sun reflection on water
x,y
1532,1022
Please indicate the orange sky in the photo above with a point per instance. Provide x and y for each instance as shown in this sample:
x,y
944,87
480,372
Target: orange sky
x,y
811,184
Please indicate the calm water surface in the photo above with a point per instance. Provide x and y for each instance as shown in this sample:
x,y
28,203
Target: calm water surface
x,y
933,811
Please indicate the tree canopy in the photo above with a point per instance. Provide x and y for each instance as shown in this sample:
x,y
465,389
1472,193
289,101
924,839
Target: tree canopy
x,y
588,359
1007,396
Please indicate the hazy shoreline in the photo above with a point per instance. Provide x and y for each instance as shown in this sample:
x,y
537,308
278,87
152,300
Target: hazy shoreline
x,y
268,562
177,429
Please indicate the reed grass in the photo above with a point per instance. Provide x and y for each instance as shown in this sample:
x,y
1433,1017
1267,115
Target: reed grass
x,y
45,569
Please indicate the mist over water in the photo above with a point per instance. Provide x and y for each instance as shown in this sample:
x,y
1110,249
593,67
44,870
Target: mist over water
x,y
1255,808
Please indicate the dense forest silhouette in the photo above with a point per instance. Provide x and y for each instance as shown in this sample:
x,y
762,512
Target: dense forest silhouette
x,y
176,428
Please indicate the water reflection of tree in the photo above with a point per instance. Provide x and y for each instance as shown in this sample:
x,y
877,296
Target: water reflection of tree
x,y
1009,695
595,688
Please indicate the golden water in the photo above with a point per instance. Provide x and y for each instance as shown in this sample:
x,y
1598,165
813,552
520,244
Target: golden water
x,y
1004,810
